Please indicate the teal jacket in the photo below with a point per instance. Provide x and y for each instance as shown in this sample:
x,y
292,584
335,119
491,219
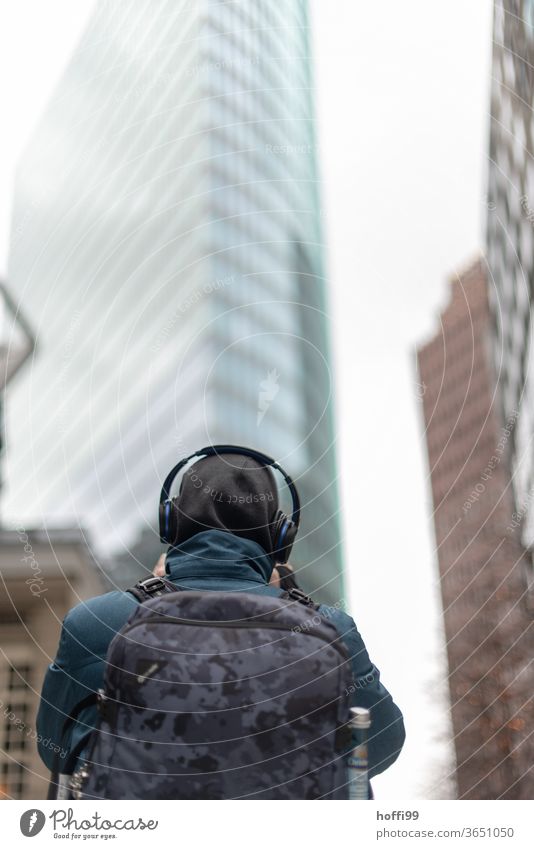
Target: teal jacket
x,y
212,560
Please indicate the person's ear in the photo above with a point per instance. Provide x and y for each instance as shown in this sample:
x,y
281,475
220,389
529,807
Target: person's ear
x,y
159,569
275,578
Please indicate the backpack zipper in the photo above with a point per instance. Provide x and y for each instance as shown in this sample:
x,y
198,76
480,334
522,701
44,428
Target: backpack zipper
x,y
216,623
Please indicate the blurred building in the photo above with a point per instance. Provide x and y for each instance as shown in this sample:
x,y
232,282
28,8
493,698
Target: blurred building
x,y
41,576
17,344
510,236
483,567
167,247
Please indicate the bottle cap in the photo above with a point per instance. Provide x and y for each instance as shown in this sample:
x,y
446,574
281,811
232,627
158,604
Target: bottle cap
x,y
360,717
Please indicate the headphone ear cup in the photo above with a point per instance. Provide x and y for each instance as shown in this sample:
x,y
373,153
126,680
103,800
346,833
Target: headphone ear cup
x,y
168,521
163,521
288,540
276,528
283,536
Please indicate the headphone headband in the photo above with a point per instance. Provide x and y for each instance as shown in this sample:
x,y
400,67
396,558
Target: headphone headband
x,y
261,458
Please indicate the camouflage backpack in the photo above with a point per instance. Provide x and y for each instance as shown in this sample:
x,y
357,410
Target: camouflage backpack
x,y
221,695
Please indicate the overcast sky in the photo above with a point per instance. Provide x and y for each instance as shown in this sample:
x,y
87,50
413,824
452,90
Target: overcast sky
x,y
402,100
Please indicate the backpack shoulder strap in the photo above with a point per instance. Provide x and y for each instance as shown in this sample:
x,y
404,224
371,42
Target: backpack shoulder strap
x,y
152,588
142,591
296,594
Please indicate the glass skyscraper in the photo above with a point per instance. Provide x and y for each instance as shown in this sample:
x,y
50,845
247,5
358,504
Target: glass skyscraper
x,y
510,240
167,250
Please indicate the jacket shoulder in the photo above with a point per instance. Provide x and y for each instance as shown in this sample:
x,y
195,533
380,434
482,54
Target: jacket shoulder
x,y
342,621
347,630
89,627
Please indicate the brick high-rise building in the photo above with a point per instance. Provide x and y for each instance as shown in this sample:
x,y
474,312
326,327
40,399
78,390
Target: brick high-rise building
x,y
483,568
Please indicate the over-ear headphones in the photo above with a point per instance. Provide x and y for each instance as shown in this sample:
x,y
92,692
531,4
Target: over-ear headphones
x,y
284,529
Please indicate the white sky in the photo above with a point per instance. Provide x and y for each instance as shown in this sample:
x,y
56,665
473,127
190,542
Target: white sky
x,y
402,97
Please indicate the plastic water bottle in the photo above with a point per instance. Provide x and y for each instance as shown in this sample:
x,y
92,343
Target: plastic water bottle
x,y
358,759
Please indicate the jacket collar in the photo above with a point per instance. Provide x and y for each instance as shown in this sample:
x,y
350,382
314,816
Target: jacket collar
x,y
219,556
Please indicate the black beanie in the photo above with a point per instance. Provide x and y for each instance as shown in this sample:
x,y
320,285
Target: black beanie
x,y
229,492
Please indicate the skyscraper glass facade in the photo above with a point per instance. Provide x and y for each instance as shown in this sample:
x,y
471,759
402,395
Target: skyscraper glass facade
x,y
510,238
167,250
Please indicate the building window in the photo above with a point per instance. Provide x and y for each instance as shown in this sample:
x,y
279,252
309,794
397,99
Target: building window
x,y
16,728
